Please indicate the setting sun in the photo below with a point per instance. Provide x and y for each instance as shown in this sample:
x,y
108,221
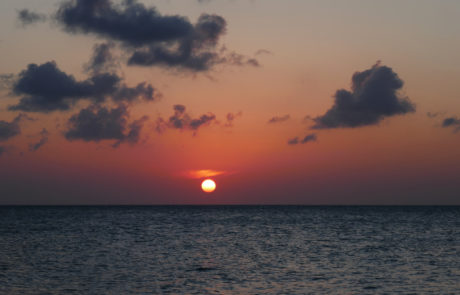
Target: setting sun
x,y
208,185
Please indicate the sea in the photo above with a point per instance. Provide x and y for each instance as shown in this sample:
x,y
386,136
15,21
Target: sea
x,y
229,250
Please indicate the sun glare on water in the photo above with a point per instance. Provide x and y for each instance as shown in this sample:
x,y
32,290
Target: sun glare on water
x,y
208,185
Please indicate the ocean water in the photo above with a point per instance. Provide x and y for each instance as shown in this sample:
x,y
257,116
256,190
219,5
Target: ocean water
x,y
230,250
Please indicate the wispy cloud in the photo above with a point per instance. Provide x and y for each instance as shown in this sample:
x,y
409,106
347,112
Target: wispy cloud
x,y
196,174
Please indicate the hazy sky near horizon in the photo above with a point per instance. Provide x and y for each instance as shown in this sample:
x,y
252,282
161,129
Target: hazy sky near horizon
x,y
281,102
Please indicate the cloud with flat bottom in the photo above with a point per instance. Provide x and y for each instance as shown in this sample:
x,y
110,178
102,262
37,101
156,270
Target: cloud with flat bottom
x,y
96,123
45,88
374,96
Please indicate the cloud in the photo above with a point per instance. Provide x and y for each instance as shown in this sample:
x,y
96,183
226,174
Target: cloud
x,y
231,117
195,51
182,120
262,51
6,81
196,174
130,23
374,96
236,59
10,129
130,94
44,139
150,39
27,17
309,138
293,141
279,119
433,115
97,123
102,59
45,88
451,122
2,150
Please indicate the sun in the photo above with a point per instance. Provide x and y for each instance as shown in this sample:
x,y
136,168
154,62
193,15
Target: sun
x,y
208,185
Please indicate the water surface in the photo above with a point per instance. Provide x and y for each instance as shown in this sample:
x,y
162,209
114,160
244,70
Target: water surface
x,y
229,250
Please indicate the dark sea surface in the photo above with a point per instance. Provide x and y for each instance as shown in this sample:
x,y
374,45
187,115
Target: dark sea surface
x,y
230,250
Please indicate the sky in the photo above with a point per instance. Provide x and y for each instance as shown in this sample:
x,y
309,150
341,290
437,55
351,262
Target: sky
x,y
280,102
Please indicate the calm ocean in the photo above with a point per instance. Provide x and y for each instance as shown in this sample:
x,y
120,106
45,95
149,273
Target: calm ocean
x,y
229,250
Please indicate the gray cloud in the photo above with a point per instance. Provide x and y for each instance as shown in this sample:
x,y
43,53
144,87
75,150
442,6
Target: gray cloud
x,y
308,138
196,51
131,22
45,88
102,59
151,39
27,17
278,119
97,123
10,129
141,91
451,122
374,96
236,59
182,120
44,139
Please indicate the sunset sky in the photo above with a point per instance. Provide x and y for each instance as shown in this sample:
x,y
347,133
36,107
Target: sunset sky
x,y
280,102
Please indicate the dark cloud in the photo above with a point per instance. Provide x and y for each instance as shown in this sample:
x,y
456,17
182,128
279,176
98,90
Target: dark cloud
x,y
141,91
151,39
46,88
44,139
135,128
10,129
278,119
97,123
308,138
374,96
182,120
102,59
195,52
131,22
451,122
27,17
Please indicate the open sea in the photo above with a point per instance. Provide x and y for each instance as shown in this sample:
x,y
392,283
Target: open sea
x,y
229,250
